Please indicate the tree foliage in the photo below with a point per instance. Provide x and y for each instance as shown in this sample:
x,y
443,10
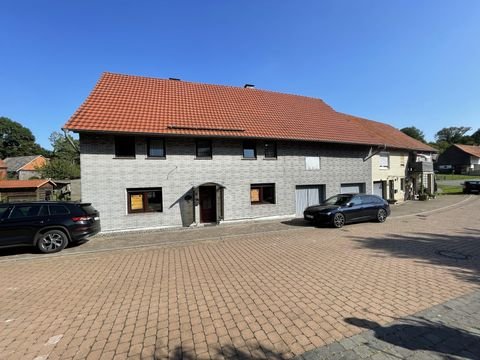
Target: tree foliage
x,y
476,137
414,132
17,140
65,159
452,135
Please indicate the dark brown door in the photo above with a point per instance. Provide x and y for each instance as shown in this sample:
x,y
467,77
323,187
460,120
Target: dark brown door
x,y
391,188
208,204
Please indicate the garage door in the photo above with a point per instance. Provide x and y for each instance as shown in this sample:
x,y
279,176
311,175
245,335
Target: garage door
x,y
378,188
307,195
352,188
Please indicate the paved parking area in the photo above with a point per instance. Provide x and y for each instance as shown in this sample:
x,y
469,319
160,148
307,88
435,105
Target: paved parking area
x,y
277,292
447,331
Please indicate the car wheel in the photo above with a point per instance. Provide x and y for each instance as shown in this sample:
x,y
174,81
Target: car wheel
x,y
381,215
338,220
52,241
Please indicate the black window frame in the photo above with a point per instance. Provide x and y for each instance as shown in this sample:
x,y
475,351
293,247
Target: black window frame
x,y
274,143
249,145
149,147
209,141
125,140
262,188
144,192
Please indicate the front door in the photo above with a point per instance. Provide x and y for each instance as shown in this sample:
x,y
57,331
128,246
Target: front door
x,y
391,189
208,204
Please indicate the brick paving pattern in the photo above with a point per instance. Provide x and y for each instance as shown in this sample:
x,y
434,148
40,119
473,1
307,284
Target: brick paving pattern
x,y
450,330
274,294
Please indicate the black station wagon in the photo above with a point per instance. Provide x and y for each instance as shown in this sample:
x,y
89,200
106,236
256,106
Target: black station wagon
x,y
342,209
50,226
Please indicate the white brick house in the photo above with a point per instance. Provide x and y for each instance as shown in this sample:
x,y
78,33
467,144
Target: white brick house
x,y
158,153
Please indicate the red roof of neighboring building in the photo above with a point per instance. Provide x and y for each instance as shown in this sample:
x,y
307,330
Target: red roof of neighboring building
x,y
134,104
21,184
470,149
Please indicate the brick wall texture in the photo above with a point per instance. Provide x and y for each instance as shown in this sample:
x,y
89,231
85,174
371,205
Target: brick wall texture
x,y
105,179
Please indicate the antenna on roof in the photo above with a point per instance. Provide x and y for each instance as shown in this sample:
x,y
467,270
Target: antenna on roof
x,y
175,79
248,86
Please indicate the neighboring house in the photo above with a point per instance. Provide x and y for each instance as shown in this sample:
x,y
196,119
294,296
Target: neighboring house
x,y
462,159
160,152
26,190
397,173
3,170
25,167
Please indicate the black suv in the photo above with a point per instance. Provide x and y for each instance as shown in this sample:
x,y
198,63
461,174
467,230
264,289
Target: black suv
x,y
48,225
470,187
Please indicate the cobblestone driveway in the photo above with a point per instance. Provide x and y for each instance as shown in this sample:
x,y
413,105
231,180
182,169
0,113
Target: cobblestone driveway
x,y
274,294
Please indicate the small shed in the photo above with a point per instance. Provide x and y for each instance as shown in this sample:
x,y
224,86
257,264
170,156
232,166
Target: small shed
x,y
26,190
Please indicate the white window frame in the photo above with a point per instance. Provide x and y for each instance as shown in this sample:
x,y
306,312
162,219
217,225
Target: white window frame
x,y
381,160
312,163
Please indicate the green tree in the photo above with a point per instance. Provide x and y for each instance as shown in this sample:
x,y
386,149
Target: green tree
x,y
17,140
452,135
65,158
476,137
60,169
414,132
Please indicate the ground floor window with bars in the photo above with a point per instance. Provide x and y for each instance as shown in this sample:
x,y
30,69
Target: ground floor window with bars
x,y
262,194
144,200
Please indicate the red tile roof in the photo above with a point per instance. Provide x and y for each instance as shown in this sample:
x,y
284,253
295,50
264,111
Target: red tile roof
x,y
22,184
133,104
470,149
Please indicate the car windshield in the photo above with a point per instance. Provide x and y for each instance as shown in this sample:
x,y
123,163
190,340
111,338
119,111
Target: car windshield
x,y
338,200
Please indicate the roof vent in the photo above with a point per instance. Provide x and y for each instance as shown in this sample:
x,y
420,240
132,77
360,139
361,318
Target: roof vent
x,y
248,86
175,79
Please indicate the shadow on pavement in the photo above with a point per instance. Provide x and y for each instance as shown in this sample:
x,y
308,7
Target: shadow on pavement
x,y
25,249
226,352
460,251
297,222
422,334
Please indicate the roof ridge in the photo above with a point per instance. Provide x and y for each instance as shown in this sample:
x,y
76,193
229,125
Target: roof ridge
x,y
216,85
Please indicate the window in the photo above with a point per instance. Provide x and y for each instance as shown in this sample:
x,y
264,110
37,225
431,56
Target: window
x,y
249,150
312,163
356,200
125,146
145,200
270,150
262,193
384,160
3,210
156,148
23,211
58,210
204,149
402,184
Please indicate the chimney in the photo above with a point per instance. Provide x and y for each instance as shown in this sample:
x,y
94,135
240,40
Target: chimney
x,y
248,86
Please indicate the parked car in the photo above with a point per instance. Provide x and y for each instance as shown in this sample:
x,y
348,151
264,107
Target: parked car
x,y
342,209
470,187
50,226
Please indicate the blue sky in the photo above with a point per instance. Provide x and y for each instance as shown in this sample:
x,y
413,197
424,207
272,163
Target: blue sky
x,y
400,62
